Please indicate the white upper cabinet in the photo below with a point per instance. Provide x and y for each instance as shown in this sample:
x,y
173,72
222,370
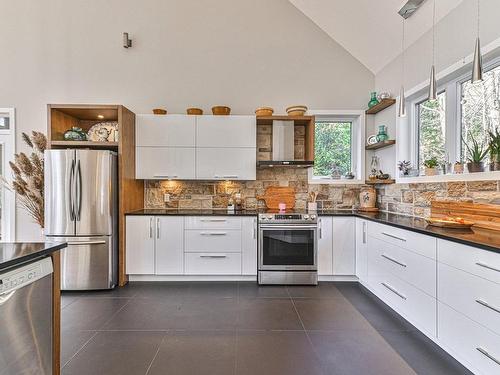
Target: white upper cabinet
x,y
226,163
166,131
156,163
344,248
226,131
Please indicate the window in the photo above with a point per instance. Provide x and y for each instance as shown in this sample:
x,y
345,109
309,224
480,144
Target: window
x,y
480,109
338,143
7,196
432,129
332,147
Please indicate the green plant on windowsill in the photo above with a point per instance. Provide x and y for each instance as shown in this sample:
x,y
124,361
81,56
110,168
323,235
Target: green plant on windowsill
x,y
431,166
494,145
475,156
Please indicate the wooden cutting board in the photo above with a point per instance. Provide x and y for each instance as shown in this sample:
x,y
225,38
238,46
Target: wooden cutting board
x,y
275,195
481,214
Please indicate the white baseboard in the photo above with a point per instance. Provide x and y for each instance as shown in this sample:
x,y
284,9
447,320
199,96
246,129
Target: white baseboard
x,y
192,278
337,278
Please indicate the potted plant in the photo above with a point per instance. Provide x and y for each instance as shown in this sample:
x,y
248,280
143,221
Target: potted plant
x,y
431,166
458,167
476,154
404,167
494,146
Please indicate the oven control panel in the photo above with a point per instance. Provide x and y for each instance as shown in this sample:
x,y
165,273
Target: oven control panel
x,y
291,218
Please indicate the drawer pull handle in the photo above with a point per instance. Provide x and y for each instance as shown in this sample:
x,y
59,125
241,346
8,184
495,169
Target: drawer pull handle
x,y
393,260
213,256
79,243
487,305
394,291
213,233
480,264
166,175
393,236
488,355
213,220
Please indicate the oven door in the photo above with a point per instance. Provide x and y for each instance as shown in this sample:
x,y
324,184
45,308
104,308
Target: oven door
x,y
288,247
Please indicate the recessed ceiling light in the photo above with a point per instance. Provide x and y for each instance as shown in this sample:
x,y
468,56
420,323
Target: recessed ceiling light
x,y
100,117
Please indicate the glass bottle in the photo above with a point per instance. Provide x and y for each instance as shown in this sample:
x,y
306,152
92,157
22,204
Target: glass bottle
x,y
373,100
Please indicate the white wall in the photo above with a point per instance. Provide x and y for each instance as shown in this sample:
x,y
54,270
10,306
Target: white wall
x,y
185,53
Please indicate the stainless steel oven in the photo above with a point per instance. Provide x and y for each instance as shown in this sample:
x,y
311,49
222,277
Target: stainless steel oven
x,y
288,249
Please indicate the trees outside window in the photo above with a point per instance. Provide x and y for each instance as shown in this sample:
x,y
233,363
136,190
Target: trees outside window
x,y
431,115
333,146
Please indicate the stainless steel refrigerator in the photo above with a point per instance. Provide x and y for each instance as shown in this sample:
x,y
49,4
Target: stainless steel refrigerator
x,y
81,208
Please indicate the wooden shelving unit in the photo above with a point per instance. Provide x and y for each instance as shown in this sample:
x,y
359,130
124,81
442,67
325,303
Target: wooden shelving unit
x,y
304,126
384,103
382,182
379,145
62,117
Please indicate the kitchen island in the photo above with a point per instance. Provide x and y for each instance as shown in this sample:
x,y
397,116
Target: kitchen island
x,y
30,307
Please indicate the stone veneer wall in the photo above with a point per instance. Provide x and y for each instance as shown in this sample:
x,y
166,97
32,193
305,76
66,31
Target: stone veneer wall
x,y
408,199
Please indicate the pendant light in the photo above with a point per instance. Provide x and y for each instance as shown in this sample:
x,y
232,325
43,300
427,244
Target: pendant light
x,y
477,64
402,100
432,81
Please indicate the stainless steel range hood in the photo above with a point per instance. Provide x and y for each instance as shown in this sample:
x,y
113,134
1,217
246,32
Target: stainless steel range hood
x,y
284,147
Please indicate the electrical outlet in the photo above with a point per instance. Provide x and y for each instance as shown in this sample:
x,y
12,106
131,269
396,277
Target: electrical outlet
x,y
166,197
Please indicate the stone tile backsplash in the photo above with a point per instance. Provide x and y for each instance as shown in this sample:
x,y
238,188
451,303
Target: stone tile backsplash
x,y
408,199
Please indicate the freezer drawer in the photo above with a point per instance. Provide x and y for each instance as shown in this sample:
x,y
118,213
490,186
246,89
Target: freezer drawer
x,y
88,263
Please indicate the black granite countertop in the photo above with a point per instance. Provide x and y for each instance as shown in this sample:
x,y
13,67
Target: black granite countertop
x,y
15,253
477,237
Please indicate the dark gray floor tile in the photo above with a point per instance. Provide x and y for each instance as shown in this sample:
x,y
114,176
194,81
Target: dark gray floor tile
x,y
161,290
423,355
72,341
117,353
126,291
90,313
213,290
67,300
278,353
330,314
267,313
162,314
196,353
324,290
253,290
357,352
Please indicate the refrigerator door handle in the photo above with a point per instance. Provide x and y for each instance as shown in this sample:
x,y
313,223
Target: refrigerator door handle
x,y
71,185
79,191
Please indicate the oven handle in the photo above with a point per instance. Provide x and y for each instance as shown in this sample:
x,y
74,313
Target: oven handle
x,y
278,227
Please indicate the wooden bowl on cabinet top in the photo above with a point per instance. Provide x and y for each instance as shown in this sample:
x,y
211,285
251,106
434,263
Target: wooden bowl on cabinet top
x,y
159,111
296,110
264,111
221,110
194,111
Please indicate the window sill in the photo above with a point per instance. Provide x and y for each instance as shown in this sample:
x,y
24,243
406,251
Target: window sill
x,y
479,176
320,181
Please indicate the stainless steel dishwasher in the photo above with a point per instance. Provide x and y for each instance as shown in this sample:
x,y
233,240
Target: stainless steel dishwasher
x,y
26,318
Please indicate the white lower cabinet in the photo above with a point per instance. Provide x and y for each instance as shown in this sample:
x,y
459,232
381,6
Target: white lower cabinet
x,y
344,246
325,246
361,248
249,246
169,249
140,245
213,263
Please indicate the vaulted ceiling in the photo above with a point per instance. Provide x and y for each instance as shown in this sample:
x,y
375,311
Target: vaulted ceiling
x,y
372,30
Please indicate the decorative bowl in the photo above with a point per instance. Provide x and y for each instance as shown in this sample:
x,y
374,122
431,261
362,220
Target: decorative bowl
x,y
384,95
159,111
264,111
194,111
296,110
221,110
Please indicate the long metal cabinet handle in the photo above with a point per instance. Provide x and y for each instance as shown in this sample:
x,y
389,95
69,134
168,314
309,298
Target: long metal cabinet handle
x,y
86,243
481,264
213,233
364,231
393,260
487,305
71,184
150,227
488,355
254,228
157,227
320,228
213,256
392,289
393,236
213,220
79,189
5,297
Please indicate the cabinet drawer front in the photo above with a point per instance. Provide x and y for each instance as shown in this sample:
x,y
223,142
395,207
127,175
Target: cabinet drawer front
x,y
479,262
165,163
210,240
226,163
415,269
170,130
226,131
212,222
473,296
212,263
416,306
469,340
419,243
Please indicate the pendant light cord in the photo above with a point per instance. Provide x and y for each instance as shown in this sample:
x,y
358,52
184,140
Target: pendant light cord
x,y
478,14
403,56
434,32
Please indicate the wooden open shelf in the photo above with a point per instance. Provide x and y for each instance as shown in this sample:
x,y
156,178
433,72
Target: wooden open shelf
x,y
384,103
384,182
380,145
298,120
84,144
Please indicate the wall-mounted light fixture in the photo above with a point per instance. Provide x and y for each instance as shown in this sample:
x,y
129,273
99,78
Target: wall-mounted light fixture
x,y
127,42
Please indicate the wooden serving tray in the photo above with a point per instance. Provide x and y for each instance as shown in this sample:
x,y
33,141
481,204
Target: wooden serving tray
x,y
449,224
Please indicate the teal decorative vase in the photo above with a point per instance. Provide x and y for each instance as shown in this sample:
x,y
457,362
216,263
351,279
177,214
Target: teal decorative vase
x,y
382,133
373,100
75,134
